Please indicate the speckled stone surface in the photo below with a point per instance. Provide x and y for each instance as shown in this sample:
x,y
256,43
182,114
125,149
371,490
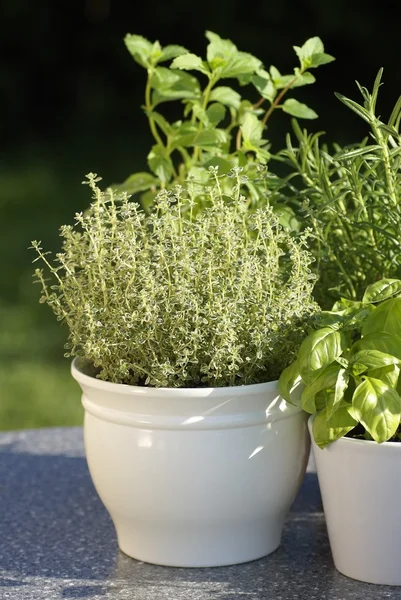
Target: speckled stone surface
x,y
57,541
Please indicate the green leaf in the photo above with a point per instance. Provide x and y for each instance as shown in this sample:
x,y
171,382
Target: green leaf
x,y
378,407
339,390
216,161
160,164
172,51
163,78
354,106
323,381
219,48
382,290
288,379
210,138
302,79
318,350
215,113
252,128
327,428
240,64
280,81
160,120
138,182
312,54
264,84
140,49
371,359
226,96
186,86
287,217
386,317
297,109
384,342
389,375
190,62
200,114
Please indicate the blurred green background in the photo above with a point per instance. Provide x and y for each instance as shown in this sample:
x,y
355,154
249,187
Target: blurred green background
x,y
71,103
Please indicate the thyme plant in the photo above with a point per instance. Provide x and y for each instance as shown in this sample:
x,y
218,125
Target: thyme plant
x,y
352,199
219,125
180,298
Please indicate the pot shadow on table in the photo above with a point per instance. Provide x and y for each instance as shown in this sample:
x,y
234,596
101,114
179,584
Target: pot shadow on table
x,y
53,525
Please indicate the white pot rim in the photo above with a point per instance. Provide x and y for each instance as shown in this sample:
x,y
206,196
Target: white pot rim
x,y
371,444
200,392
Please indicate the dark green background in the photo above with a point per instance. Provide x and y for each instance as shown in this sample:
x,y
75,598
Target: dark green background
x,y
70,99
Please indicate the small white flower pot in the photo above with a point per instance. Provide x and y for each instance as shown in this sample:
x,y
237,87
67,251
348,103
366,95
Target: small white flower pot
x,y
194,477
360,483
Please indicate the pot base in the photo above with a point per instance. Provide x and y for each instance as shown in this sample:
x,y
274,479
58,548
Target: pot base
x,y
197,545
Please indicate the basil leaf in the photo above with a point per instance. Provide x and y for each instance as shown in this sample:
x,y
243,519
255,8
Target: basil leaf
x,y
329,428
318,350
325,380
385,342
378,408
371,359
382,290
288,379
386,317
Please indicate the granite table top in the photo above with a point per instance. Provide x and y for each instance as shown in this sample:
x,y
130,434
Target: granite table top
x,y
57,540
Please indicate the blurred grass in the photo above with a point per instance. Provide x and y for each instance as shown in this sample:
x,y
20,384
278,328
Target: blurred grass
x,y
35,394
40,189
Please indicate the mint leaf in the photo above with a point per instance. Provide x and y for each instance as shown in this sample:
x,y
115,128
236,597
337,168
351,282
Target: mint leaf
x,y
190,62
264,84
219,48
139,182
160,164
226,96
252,129
297,109
215,113
140,49
312,54
172,51
186,86
240,64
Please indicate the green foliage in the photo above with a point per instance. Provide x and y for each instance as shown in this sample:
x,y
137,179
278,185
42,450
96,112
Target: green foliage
x,y
177,297
352,200
218,124
351,366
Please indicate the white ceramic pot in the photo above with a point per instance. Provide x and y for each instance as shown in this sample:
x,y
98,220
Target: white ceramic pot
x,y
194,477
360,483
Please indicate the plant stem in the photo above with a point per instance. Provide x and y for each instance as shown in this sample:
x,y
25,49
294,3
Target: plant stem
x,y
152,124
278,99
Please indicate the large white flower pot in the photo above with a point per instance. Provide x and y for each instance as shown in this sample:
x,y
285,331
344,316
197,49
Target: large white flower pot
x,y
360,483
194,477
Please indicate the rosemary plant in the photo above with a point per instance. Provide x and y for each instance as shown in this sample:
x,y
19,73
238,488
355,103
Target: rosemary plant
x,y
352,200
218,126
176,298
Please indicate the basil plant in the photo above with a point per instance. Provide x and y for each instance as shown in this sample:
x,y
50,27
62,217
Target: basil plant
x,y
350,368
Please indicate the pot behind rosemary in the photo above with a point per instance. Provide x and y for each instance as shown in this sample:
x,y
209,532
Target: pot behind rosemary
x,y
179,298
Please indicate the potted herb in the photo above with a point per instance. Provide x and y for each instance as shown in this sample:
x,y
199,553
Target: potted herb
x,y
351,197
350,369
222,105
182,321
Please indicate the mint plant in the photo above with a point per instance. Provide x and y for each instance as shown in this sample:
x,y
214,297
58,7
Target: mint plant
x,y
219,126
351,197
350,368
180,298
